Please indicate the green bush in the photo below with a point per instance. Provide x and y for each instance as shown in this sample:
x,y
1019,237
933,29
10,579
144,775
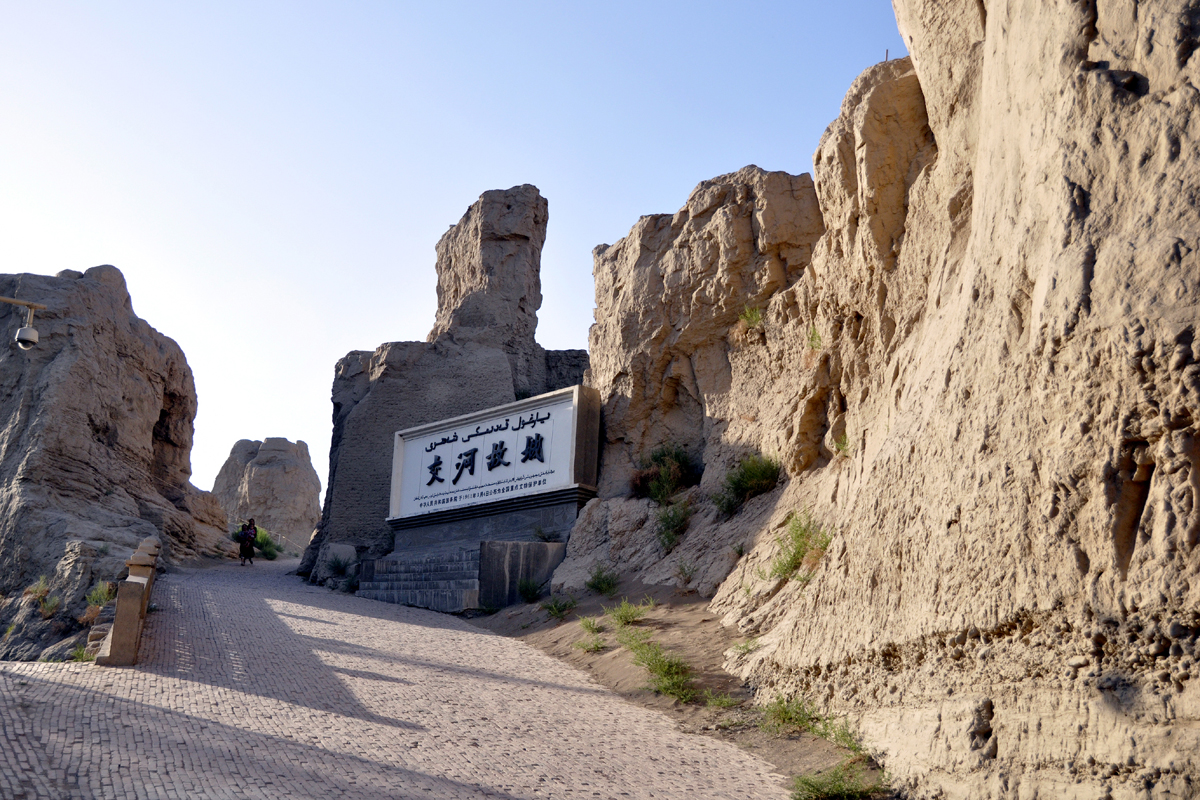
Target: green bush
x,y
668,469
603,580
814,338
81,654
753,476
591,625
800,548
559,607
671,523
265,544
530,590
842,445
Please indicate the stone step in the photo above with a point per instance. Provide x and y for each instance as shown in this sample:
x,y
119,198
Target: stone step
x,y
448,602
386,568
419,585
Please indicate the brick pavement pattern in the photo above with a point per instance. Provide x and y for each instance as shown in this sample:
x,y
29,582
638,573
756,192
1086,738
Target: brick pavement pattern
x,y
253,684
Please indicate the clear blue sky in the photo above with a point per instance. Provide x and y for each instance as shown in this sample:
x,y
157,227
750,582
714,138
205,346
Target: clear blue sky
x,y
272,177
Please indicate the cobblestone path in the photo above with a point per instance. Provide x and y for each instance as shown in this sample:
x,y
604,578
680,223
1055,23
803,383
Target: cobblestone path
x,y
253,684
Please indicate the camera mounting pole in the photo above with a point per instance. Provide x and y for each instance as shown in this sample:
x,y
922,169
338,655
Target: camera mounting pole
x,y
31,306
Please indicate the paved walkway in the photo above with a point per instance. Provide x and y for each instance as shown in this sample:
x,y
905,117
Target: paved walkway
x,y
256,685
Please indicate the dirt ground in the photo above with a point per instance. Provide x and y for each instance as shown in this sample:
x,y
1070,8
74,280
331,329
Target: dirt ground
x,y
681,623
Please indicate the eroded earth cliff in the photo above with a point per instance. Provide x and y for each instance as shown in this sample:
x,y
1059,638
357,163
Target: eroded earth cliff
x,y
272,482
96,427
977,363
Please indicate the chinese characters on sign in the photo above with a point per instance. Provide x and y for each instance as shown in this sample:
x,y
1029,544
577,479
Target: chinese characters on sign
x,y
521,452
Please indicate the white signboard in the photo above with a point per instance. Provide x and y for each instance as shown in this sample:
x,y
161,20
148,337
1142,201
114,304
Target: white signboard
x,y
520,449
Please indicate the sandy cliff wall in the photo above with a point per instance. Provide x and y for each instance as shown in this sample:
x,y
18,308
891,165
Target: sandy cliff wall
x,y
272,482
95,445
985,383
481,353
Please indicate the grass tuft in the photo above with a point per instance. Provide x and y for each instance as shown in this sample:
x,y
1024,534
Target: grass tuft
x,y
81,654
627,613
753,317
668,469
796,714
842,445
542,535
686,570
591,625
669,674
337,565
592,644
603,580
846,781
800,548
753,476
719,699
746,647
37,591
671,523
814,338
49,607
559,607
102,593
529,589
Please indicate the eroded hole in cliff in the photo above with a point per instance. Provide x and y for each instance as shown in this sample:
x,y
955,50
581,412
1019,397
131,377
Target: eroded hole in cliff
x,y
1134,471
171,447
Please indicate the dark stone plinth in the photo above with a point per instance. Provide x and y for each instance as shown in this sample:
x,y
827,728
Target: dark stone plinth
x,y
503,565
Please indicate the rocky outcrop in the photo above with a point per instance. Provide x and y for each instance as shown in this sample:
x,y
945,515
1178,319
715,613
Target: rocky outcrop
x,y
94,453
984,385
481,353
489,280
272,482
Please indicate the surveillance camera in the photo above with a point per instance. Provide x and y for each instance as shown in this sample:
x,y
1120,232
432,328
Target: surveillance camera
x,y
26,338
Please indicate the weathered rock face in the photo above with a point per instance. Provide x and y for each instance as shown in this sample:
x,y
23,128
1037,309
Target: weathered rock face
x,y
985,385
95,451
481,353
272,482
489,279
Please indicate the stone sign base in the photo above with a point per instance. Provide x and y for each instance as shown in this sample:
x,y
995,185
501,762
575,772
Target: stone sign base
x,y
503,565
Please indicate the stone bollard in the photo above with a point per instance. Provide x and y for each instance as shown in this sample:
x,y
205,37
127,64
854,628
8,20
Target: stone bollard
x,y
141,565
120,646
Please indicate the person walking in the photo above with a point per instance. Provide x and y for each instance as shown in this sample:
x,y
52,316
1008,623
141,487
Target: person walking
x,y
246,537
